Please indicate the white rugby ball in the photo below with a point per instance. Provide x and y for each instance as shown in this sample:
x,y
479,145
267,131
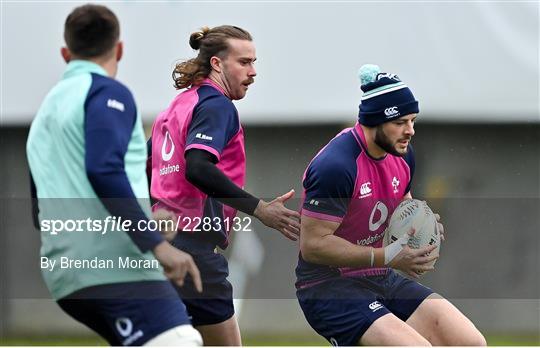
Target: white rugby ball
x,y
413,213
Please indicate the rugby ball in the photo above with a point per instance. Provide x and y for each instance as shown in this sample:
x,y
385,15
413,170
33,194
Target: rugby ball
x,y
413,213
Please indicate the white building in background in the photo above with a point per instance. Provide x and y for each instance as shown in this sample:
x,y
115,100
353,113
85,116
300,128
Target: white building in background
x,y
474,61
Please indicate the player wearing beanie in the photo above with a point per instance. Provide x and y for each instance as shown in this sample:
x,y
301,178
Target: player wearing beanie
x,y
346,284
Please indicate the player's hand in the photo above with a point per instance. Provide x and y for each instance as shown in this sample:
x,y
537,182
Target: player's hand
x,y
440,226
413,262
166,222
277,216
177,264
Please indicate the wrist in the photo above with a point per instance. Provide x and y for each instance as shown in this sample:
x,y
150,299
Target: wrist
x,y
258,210
391,251
378,257
159,247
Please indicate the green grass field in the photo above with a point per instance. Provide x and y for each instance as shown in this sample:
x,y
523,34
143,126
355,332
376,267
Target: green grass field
x,y
258,340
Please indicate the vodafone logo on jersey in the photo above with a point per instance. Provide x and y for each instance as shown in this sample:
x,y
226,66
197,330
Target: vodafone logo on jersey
x,y
379,212
166,156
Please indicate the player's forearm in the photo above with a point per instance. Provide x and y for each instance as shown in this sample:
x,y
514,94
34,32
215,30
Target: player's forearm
x,y
335,251
115,193
107,134
203,174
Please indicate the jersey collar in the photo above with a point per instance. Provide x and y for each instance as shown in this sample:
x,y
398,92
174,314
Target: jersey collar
x,y
77,67
208,81
361,139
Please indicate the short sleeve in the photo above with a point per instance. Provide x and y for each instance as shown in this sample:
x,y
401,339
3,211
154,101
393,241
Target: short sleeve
x,y
328,188
214,123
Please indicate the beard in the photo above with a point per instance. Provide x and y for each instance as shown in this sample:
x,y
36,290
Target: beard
x,y
384,142
235,89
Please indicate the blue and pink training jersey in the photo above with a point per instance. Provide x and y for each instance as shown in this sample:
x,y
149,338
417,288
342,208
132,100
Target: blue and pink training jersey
x,y
203,118
344,184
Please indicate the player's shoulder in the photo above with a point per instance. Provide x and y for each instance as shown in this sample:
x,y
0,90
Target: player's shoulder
x,y
211,98
338,158
342,149
108,87
216,108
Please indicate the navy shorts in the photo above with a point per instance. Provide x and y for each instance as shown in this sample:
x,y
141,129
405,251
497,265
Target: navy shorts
x,y
342,309
215,304
127,314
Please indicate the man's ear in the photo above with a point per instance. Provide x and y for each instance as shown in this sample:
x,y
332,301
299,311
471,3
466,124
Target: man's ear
x,y
119,50
216,64
66,54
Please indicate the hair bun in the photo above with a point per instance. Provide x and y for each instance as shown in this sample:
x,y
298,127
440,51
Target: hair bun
x,y
196,37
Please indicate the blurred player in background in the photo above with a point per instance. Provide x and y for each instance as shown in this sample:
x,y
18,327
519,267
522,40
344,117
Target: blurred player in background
x,y
346,285
87,141
198,171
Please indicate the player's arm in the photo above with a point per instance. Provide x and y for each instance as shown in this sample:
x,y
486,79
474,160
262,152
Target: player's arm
x,y
318,244
201,171
329,184
107,134
219,124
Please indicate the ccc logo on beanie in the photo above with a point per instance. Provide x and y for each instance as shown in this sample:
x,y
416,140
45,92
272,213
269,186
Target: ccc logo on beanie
x,y
393,111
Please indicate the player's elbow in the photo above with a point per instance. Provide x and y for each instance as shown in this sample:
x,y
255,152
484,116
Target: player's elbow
x,y
96,176
194,173
311,250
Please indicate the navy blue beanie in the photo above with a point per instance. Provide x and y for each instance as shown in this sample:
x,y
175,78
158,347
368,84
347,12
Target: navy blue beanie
x,y
385,97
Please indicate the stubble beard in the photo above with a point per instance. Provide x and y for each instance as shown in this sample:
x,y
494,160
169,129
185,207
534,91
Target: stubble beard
x,y
382,140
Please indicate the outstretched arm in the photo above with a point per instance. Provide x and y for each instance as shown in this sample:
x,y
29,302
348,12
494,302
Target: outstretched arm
x,y
202,172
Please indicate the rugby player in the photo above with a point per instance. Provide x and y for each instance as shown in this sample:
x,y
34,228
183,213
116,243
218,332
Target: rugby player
x,y
87,155
346,283
198,171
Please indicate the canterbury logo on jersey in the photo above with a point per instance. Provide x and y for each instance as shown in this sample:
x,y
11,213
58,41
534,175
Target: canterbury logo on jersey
x,y
393,111
365,190
115,104
203,137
